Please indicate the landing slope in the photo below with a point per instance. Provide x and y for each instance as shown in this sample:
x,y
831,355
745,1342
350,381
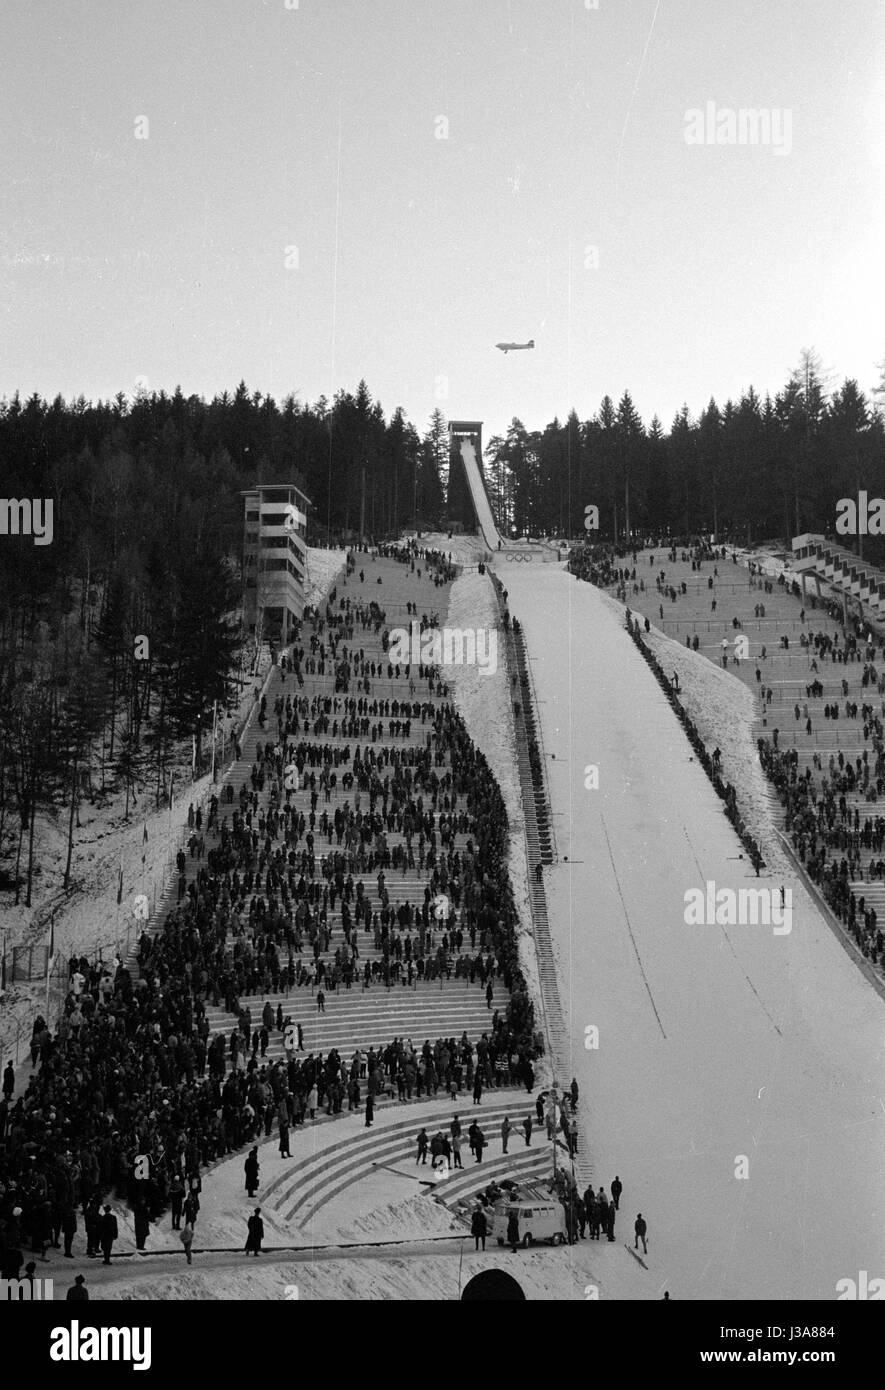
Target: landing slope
x,y
715,1042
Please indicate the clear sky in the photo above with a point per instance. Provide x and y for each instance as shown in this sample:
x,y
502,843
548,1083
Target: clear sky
x,y
316,127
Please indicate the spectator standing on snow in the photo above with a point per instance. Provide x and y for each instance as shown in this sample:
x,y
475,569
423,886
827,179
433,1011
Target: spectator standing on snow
x,y
617,1189
479,1228
109,1233
142,1225
602,1211
610,1227
592,1213
513,1230
479,1144
176,1195
69,1229
251,1168
255,1228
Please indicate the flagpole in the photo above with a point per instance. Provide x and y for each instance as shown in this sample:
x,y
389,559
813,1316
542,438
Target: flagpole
x,y
49,955
214,726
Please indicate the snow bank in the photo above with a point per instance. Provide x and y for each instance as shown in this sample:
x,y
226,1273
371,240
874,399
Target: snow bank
x,y
572,1273
486,707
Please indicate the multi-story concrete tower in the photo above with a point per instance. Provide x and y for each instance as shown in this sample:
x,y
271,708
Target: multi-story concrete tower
x,y
275,558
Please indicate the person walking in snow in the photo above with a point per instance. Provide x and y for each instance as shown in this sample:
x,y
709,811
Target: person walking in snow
x,y
640,1229
423,1143
527,1129
187,1239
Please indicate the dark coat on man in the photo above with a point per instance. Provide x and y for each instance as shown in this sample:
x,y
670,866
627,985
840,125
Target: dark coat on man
x,y
250,1168
255,1227
108,1233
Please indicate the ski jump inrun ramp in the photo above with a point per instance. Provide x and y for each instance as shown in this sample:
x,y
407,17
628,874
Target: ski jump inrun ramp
x,y
468,439
489,530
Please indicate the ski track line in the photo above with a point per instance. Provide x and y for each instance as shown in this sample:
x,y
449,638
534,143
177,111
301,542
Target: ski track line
x,y
731,947
629,927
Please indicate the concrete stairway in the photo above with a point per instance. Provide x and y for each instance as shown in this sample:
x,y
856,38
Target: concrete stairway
x,y
311,1183
373,1017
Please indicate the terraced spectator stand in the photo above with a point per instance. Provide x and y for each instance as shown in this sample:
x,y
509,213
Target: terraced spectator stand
x,y
792,681
538,853
357,1017
369,1017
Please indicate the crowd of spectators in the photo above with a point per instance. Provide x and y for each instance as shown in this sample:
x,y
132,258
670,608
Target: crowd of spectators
x,y
131,1095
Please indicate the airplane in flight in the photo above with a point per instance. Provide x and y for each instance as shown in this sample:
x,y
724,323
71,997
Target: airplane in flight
x,y
515,347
